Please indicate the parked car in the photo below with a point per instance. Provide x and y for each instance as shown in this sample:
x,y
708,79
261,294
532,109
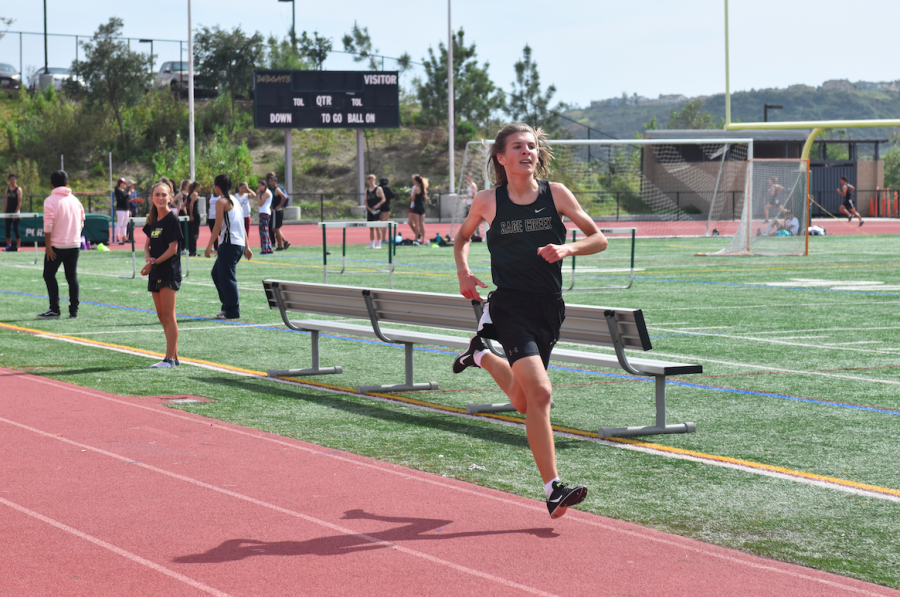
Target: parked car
x,y
39,82
10,79
174,75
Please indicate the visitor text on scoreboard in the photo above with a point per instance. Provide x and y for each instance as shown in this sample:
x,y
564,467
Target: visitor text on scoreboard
x,y
308,99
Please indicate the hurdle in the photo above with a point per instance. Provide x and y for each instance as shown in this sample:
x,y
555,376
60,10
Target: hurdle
x,y
20,216
392,232
134,222
605,231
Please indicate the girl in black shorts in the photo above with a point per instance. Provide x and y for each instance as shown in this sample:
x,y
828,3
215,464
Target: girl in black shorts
x,y
526,238
418,196
374,201
163,268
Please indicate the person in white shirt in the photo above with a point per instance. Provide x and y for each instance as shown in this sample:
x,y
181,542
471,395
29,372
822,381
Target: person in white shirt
x,y
244,195
229,228
264,196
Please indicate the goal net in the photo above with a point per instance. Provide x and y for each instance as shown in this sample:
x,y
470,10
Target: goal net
x,y
775,215
663,187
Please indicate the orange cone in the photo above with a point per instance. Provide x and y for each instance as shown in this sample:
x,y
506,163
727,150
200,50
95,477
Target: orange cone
x,y
871,208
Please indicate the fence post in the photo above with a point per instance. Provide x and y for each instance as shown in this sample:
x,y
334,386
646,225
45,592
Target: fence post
x,y
322,207
677,205
617,206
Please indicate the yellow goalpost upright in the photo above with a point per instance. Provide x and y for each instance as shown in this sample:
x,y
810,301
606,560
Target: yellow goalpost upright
x,y
815,126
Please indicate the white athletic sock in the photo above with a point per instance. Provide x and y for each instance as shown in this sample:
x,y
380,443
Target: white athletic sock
x,y
548,488
477,356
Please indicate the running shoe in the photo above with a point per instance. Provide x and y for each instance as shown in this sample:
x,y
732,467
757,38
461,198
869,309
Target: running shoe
x,y
861,223
73,315
287,245
166,363
49,314
467,359
563,497
849,218
11,248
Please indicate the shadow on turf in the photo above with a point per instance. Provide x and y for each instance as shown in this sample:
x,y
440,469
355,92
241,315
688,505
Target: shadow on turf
x,y
409,529
382,411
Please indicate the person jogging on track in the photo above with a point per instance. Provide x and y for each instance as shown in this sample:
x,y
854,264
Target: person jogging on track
x,y
526,238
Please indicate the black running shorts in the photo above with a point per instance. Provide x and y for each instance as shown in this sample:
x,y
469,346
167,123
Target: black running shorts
x,y
525,323
279,218
154,284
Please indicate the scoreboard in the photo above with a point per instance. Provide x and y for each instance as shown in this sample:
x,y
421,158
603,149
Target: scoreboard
x,y
309,99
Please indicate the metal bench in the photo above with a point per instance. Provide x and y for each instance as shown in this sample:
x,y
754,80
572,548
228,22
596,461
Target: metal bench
x,y
615,328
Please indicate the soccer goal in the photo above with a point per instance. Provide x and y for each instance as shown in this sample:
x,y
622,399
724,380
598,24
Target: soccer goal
x,y
662,187
775,215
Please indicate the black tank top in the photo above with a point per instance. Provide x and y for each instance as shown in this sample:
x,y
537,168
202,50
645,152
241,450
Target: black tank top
x,y
515,236
372,197
12,198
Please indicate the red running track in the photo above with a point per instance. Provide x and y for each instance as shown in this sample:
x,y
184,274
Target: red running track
x,y
112,495
311,234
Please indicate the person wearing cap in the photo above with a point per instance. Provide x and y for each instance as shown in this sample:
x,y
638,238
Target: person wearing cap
x,y
122,212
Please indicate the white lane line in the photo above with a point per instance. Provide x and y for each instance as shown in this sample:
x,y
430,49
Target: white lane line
x,y
116,550
772,306
585,518
305,517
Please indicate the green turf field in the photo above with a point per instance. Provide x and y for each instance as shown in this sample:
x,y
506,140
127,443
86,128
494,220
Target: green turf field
x,y
801,372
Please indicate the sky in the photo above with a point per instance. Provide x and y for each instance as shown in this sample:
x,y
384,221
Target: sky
x,y
589,49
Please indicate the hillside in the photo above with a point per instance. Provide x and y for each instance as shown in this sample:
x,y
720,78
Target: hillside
x,y
622,120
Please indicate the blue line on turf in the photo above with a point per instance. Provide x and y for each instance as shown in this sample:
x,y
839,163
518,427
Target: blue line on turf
x,y
448,352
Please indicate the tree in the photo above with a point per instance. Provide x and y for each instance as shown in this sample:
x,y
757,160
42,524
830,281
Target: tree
x,y
315,49
113,75
892,164
281,55
475,95
227,59
527,103
359,43
6,22
693,116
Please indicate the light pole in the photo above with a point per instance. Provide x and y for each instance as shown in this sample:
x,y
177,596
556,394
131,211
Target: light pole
x,y
46,67
767,107
450,96
149,41
293,23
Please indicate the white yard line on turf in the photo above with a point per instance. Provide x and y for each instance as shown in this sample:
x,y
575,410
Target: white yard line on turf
x,y
856,329
767,340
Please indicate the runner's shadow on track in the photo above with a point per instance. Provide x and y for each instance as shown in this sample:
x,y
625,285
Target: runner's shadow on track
x,y
386,412
410,529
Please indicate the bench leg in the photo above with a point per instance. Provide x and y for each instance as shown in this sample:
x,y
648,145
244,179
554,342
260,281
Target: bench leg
x,y
409,386
315,370
660,428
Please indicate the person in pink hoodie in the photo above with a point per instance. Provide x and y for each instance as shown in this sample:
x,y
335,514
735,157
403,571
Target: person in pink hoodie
x,y
63,222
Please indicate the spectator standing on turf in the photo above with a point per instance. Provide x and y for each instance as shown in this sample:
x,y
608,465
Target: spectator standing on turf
x,y
264,196
163,266
526,238
232,245
63,222
122,213
374,201
211,219
471,189
418,195
847,207
279,201
775,198
193,209
388,193
180,199
243,196
133,199
14,195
